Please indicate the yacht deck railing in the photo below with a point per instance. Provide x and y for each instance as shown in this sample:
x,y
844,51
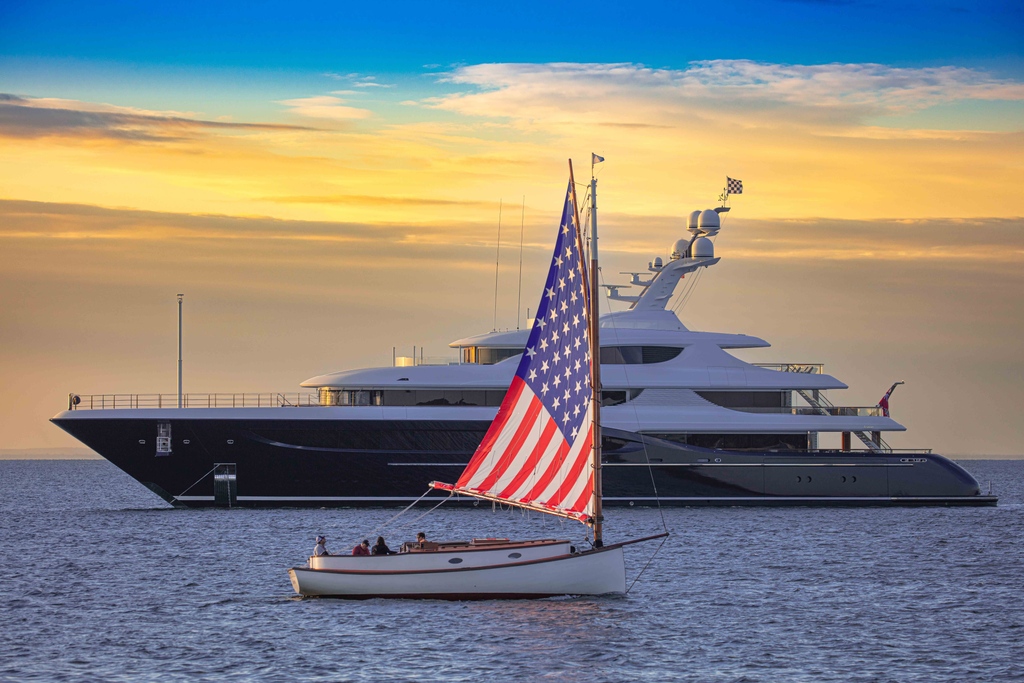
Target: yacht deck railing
x,y
243,400
839,411
802,368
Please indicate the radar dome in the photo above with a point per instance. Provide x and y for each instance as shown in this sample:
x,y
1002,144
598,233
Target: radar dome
x,y
679,249
708,219
657,262
703,248
691,222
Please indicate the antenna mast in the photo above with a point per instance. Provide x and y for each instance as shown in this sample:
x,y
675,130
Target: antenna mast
x,y
497,253
180,296
522,226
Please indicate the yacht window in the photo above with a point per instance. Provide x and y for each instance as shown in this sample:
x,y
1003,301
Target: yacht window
x,y
637,355
351,397
428,397
749,399
488,356
614,398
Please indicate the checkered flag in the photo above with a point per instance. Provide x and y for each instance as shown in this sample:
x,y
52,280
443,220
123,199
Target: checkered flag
x,y
733,186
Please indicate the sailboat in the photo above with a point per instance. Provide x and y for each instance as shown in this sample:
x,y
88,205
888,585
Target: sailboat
x,y
542,453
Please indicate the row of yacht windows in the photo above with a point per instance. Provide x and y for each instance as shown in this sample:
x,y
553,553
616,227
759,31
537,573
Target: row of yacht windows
x,y
411,397
493,397
610,355
741,442
438,397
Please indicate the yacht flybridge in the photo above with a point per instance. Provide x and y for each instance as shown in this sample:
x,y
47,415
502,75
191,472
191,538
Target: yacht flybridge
x,y
684,422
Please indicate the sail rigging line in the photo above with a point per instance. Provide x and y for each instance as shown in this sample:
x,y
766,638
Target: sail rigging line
x,y
684,297
648,564
197,481
406,509
522,228
497,254
636,417
443,501
688,289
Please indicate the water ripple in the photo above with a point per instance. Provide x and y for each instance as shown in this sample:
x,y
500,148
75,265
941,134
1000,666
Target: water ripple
x,y
104,582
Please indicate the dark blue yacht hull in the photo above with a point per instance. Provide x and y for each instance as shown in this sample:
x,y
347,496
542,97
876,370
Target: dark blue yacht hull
x,y
338,463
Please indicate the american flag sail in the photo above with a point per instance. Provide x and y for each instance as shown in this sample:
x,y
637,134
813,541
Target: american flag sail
x,y
538,450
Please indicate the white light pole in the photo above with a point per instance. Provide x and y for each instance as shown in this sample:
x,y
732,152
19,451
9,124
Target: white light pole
x,y
180,296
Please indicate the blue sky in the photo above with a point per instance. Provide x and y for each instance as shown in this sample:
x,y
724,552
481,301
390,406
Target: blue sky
x,y
401,37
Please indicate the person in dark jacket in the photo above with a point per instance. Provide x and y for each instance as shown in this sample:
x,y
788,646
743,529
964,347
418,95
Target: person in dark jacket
x,y
362,549
381,548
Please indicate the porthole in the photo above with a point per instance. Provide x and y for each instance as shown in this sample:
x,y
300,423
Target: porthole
x,y
808,479
854,478
514,556
186,441
455,560
231,441
630,503
718,460
844,480
142,441
799,479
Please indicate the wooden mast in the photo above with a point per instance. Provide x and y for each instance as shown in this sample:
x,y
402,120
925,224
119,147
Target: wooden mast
x,y
595,352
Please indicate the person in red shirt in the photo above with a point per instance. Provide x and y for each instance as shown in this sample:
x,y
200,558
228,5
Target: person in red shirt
x,y
362,549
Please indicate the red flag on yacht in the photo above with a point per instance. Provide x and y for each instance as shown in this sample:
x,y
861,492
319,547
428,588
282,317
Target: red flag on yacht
x,y
884,403
536,454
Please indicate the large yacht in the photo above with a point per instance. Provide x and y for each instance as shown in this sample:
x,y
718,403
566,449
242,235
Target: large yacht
x,y
684,422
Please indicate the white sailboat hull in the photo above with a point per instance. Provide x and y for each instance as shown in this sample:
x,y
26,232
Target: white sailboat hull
x,y
594,572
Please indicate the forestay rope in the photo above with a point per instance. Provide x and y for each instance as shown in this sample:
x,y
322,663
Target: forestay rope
x,y
196,482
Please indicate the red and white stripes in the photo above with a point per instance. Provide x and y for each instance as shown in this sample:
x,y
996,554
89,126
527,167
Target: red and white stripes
x,y
525,459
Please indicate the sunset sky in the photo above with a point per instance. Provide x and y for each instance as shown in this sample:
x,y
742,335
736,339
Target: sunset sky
x,y
323,183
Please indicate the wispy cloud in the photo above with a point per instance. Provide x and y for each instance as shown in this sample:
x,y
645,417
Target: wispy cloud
x,y
26,118
357,80
325,107
376,200
624,93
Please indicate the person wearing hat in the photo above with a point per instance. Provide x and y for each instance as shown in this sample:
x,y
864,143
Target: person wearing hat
x,y
363,548
321,549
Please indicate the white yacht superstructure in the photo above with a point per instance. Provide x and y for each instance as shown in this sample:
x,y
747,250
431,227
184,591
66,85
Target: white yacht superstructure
x,y
659,377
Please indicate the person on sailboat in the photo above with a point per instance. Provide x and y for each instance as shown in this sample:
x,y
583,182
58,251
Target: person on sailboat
x,y
321,548
421,539
381,548
363,548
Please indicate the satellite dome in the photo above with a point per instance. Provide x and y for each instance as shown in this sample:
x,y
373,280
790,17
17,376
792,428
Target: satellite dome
x,y
703,248
657,262
708,219
691,221
679,249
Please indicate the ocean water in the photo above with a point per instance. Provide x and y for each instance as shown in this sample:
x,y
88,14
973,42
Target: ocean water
x,y
103,582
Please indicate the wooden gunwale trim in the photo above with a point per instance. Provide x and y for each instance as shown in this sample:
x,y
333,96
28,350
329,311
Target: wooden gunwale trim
x,y
444,570
475,548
